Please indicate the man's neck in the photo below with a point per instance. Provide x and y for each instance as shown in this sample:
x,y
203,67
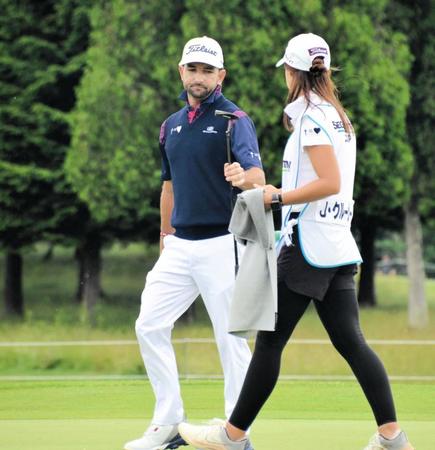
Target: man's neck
x,y
194,102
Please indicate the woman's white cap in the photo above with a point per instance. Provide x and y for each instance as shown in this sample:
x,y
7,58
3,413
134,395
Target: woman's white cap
x,y
203,50
303,49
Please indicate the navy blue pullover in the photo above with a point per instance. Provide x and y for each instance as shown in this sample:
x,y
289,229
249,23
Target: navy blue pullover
x,y
193,158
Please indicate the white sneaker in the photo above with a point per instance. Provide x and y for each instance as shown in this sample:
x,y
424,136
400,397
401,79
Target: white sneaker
x,y
157,437
210,437
400,442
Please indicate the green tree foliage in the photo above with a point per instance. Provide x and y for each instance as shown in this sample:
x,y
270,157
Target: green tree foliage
x,y
34,133
131,85
113,162
253,36
39,44
417,22
374,62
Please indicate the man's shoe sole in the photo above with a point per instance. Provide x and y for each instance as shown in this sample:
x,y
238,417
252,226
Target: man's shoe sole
x,y
176,442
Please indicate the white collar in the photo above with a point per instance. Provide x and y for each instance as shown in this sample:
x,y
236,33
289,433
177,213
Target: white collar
x,y
295,109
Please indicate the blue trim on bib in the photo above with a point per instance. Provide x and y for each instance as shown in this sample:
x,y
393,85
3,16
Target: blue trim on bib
x,y
319,266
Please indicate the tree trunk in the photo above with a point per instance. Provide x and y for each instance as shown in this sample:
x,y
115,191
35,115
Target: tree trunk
x,y
81,275
367,291
90,269
190,315
418,316
49,253
13,289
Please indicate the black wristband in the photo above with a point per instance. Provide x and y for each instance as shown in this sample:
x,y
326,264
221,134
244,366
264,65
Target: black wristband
x,y
276,203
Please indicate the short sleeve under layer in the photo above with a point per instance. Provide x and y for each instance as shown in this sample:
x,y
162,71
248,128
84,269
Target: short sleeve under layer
x,y
315,126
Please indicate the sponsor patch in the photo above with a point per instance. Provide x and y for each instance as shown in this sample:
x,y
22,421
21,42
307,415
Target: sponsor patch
x,y
312,131
338,125
176,129
318,51
210,130
200,48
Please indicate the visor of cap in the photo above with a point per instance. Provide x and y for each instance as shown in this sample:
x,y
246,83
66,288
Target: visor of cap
x,y
295,61
280,62
203,58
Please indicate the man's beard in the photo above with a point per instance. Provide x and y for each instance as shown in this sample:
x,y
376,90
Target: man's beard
x,y
199,94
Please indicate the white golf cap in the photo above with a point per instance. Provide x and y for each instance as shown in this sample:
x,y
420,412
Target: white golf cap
x,y
203,50
303,49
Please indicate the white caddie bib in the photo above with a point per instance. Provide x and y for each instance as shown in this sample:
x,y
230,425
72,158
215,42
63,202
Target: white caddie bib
x,y
324,225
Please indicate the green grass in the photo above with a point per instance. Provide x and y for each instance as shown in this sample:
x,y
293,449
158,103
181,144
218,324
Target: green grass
x,y
52,314
109,434
104,414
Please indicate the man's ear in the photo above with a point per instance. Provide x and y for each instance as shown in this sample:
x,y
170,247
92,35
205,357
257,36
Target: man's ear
x,y
181,71
222,74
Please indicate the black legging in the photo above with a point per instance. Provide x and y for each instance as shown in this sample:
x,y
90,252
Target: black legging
x,y
339,315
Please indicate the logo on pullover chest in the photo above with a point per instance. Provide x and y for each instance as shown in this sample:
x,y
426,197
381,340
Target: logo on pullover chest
x,y
210,130
176,129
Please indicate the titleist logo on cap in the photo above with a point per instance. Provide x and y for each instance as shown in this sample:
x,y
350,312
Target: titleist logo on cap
x,y
317,50
200,48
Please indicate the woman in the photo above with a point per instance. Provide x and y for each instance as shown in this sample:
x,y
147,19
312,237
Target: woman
x,y
318,254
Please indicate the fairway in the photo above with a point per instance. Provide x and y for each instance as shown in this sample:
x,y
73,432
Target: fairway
x,y
102,415
95,434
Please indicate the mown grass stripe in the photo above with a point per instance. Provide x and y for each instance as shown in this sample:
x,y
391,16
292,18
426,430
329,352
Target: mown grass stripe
x,y
91,343
199,377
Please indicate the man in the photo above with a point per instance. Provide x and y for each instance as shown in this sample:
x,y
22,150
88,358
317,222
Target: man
x,y
197,250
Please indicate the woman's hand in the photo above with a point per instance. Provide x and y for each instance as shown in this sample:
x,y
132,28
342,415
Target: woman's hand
x,y
268,190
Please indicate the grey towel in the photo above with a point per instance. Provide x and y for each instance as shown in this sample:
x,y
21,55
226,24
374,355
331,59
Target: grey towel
x,y
255,299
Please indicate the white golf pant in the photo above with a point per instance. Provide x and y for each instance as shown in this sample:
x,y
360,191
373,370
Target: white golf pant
x,y
184,270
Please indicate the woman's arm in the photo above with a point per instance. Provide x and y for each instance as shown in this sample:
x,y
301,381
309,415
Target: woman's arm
x,y
325,165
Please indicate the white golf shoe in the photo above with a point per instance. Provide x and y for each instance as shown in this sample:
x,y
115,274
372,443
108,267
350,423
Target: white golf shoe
x,y
211,437
157,437
400,442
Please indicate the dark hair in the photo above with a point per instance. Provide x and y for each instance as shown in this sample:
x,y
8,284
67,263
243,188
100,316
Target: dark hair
x,y
318,80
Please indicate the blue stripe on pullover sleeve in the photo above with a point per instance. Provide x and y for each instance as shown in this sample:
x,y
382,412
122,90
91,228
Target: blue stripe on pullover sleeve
x,y
244,142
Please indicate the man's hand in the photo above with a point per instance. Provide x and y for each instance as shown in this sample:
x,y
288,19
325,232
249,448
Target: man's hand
x,y
234,174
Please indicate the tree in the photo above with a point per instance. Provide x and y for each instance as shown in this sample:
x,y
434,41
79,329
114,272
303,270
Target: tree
x,y
131,74
113,162
40,44
374,62
130,85
417,22
253,36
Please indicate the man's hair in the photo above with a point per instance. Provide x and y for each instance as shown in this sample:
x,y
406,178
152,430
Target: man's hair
x,y
318,80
